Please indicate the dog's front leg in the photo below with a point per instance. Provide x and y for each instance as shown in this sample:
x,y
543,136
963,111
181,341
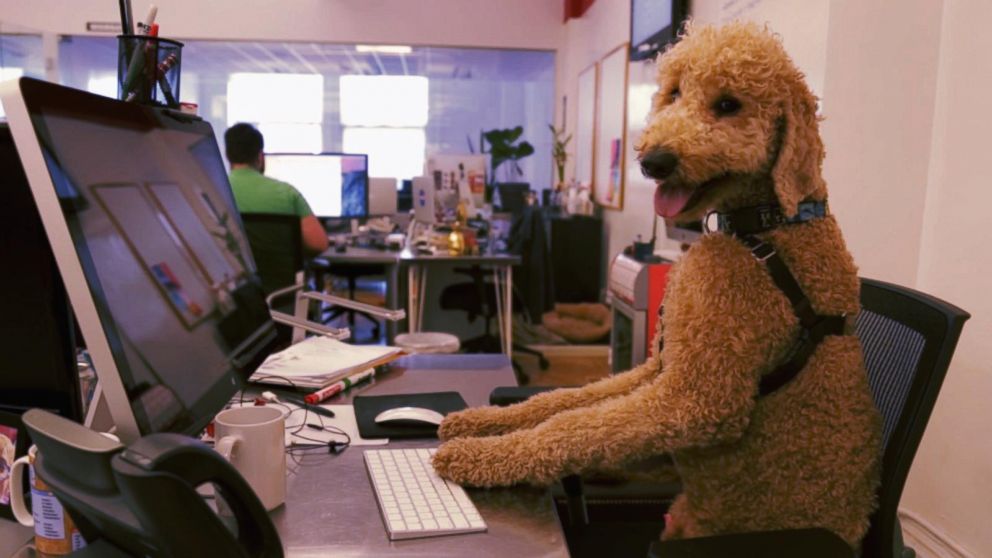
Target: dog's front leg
x,y
493,421
669,413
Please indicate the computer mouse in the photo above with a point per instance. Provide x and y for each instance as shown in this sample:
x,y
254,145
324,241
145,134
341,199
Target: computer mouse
x,y
413,416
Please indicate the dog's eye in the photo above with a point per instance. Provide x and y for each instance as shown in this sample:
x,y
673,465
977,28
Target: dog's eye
x,y
726,106
674,95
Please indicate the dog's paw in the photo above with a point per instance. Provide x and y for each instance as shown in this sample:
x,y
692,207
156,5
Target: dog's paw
x,y
495,461
480,421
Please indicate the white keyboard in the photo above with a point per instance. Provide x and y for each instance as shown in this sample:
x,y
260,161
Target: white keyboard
x,y
414,500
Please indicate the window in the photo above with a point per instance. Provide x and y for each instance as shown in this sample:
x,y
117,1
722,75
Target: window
x,y
288,109
385,117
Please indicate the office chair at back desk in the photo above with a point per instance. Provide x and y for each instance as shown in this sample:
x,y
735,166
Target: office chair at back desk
x,y
908,339
351,273
478,298
276,246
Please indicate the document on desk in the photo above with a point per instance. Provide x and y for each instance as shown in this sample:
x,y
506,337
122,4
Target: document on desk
x,y
319,361
344,420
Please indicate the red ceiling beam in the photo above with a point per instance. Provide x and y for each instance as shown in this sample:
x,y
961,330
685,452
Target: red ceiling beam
x,y
575,8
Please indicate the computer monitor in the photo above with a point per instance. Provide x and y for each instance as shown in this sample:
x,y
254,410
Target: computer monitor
x,y
140,217
37,337
336,185
383,196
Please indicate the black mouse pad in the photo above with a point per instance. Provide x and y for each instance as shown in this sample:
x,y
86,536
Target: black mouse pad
x,y
368,406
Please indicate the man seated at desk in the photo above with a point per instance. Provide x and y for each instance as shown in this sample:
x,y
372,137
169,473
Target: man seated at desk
x,y
256,193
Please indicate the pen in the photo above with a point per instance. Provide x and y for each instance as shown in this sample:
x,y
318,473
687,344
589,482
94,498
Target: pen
x,y
338,387
127,26
312,408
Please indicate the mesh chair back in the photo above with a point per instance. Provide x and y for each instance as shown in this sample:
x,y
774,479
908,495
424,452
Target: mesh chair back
x,y
908,339
277,246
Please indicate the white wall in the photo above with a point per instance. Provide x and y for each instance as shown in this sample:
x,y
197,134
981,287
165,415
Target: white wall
x,y
878,102
534,24
950,485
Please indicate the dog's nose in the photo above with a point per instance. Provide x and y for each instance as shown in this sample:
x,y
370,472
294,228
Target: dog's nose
x,y
659,164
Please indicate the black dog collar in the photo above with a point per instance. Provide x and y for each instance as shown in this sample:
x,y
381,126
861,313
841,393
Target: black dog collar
x,y
761,218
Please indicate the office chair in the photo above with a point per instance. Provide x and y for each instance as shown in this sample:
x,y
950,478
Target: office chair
x,y
351,273
276,245
478,298
908,338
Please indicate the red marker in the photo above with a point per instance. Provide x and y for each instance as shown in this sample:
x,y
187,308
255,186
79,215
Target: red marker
x,y
338,387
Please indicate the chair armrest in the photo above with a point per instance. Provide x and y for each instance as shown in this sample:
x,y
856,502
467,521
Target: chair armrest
x,y
313,327
508,395
377,311
808,543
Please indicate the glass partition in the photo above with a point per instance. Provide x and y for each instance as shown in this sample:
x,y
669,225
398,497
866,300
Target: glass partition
x,y
20,55
397,104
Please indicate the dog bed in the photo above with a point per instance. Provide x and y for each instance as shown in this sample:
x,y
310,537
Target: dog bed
x,y
584,322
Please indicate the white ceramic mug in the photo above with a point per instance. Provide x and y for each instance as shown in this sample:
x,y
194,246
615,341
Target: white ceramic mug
x,y
253,439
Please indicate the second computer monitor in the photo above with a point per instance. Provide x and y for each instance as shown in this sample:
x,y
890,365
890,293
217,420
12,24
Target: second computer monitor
x,y
335,185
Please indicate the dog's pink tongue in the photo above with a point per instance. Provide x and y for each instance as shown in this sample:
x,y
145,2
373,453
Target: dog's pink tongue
x,y
669,201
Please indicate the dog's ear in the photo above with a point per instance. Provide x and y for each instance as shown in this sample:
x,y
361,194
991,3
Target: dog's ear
x,y
797,170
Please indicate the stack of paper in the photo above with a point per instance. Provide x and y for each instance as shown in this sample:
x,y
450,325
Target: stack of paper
x,y
319,361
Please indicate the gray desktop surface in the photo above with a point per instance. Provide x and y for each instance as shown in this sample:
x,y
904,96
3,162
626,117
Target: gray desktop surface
x,y
408,255
331,509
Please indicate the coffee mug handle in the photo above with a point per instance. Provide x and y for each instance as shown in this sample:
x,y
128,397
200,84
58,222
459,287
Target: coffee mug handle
x,y
225,446
17,504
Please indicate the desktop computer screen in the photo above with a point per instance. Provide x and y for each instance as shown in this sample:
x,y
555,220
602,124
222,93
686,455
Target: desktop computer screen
x,y
139,214
336,185
37,337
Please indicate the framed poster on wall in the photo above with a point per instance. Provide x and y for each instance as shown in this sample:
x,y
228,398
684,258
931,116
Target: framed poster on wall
x,y
585,130
611,127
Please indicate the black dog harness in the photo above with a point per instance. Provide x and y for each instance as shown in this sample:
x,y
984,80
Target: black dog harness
x,y
744,224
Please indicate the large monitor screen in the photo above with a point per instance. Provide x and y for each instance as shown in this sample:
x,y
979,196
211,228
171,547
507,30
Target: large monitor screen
x,y
334,184
139,213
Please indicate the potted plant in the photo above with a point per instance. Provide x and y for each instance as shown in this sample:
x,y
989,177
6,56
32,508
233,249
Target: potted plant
x,y
559,154
505,148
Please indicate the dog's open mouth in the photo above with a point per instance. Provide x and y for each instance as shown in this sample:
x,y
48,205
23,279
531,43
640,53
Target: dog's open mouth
x,y
673,198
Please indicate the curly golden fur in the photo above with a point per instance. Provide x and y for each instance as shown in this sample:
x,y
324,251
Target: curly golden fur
x,y
805,455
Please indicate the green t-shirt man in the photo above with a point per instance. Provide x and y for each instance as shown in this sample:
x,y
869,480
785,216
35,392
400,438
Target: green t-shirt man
x,y
256,193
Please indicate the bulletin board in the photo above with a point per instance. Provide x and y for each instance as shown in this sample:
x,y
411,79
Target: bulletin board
x,y
611,129
585,132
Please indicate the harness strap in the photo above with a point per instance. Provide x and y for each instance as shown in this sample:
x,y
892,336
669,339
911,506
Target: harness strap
x,y
815,327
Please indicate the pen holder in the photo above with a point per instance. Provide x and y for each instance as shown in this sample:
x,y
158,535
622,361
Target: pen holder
x,y
148,70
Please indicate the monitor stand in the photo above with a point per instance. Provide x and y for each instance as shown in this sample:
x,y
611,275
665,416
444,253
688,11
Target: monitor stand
x,y
98,416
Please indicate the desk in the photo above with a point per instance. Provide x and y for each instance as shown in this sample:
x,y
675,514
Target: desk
x,y
331,509
417,266
502,264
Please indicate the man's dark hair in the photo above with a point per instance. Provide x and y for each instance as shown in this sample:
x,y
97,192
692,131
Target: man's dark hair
x,y
243,142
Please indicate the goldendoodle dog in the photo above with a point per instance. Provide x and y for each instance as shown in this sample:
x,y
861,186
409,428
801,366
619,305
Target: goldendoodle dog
x,y
732,130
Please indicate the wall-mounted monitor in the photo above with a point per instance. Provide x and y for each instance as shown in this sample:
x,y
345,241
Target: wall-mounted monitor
x,y
139,214
335,185
654,24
